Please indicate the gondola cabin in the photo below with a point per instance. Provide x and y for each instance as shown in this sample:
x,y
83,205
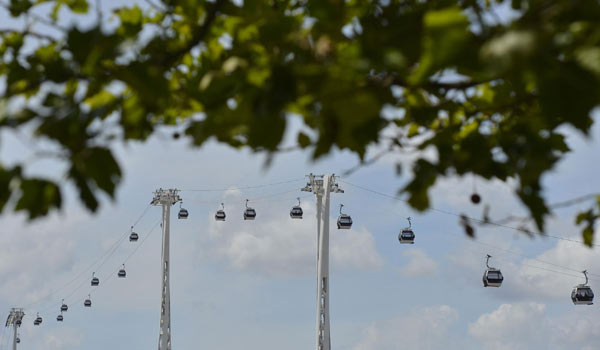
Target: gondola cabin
x,y
492,277
296,212
582,295
133,237
183,214
406,236
220,215
344,222
249,214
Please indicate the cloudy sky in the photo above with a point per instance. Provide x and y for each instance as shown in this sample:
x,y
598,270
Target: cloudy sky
x,y
251,285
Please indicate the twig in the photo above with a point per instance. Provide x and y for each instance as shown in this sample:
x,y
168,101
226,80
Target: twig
x,y
29,32
370,161
155,6
38,18
200,33
99,12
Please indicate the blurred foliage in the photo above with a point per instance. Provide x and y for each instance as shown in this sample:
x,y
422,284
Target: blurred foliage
x,y
490,96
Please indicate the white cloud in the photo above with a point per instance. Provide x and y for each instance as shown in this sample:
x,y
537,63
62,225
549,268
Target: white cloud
x,y
278,245
546,275
510,327
527,326
33,253
53,338
420,264
420,329
61,339
547,282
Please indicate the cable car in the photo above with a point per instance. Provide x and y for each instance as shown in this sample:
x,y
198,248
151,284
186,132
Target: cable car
x,y
344,221
492,277
18,340
95,280
19,322
220,215
582,294
249,213
88,302
59,318
133,237
38,320
122,273
64,306
296,212
183,213
407,236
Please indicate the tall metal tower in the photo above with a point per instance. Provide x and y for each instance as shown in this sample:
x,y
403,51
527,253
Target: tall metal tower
x,y
322,186
14,320
165,198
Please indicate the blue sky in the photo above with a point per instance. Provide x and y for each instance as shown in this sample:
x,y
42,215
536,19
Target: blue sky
x,y
251,285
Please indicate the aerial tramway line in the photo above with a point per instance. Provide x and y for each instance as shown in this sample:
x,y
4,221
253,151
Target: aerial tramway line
x,y
321,186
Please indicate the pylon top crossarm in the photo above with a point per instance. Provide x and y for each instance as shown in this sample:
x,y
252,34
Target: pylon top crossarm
x,y
315,184
15,315
166,197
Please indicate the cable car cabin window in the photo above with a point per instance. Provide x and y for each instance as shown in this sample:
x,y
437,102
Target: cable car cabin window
x,y
585,294
495,276
345,220
407,234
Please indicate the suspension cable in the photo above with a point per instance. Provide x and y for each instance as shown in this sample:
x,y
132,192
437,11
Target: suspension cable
x,y
468,217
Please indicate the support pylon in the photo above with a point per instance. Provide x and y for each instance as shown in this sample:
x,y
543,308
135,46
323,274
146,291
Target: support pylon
x,y
14,320
322,186
165,198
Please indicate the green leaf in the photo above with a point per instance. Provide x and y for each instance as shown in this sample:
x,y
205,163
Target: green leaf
x,y
446,35
425,175
303,140
132,19
98,165
588,236
38,197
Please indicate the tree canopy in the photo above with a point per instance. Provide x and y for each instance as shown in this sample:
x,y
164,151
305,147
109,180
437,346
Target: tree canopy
x,y
489,92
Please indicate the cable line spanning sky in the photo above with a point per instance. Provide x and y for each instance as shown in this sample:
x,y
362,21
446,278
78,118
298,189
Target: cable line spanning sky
x,y
258,277
46,305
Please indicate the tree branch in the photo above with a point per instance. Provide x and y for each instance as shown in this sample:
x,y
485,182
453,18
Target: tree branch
x,y
28,32
200,33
